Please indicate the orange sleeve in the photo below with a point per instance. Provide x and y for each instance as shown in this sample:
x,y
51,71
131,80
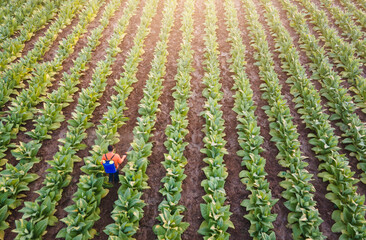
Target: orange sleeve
x,y
117,160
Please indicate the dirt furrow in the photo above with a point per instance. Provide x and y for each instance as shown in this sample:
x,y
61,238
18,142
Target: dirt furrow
x,y
132,102
116,68
272,166
155,170
192,191
270,150
28,45
49,55
235,190
332,20
305,60
324,206
50,147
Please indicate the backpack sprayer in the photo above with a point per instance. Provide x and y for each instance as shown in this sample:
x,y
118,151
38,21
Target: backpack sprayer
x,y
109,166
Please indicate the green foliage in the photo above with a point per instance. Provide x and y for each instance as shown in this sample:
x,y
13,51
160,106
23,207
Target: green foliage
x,y
335,168
85,211
342,52
13,76
23,107
299,192
339,101
350,29
126,215
216,215
62,164
43,12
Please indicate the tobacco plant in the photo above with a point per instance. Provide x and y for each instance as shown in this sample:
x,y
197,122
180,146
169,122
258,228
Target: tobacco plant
x,y
171,225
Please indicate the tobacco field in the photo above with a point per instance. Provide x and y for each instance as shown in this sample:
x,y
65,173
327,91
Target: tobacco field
x,y
241,119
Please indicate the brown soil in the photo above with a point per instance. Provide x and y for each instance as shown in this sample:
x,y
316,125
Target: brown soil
x,y
235,190
270,151
192,190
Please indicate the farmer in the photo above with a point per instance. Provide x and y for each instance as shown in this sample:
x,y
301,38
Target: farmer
x,y
111,156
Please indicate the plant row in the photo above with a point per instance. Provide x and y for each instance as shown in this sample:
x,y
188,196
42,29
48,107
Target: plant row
x,y
42,210
362,3
15,73
342,52
20,16
339,101
12,47
259,204
170,217
216,214
358,14
128,211
349,213
50,116
23,107
85,212
303,219
15,179
7,8
349,28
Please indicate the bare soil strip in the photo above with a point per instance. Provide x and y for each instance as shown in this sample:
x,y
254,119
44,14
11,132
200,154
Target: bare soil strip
x,y
192,191
132,102
235,190
324,206
155,170
352,160
100,53
270,150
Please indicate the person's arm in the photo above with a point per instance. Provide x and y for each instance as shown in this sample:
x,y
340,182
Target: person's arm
x,y
118,160
123,157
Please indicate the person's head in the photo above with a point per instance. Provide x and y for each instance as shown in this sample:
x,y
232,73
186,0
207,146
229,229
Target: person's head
x,y
110,148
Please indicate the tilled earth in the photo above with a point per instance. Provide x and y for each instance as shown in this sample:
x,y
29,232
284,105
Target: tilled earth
x,y
192,190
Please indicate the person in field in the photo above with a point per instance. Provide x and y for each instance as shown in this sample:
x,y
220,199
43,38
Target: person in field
x,y
111,162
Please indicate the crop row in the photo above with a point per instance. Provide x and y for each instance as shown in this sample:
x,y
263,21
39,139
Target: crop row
x,y
339,101
350,29
85,212
362,3
342,52
12,47
22,14
259,204
23,107
127,211
43,208
303,218
357,13
15,178
41,211
170,216
349,215
7,8
216,215
16,72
